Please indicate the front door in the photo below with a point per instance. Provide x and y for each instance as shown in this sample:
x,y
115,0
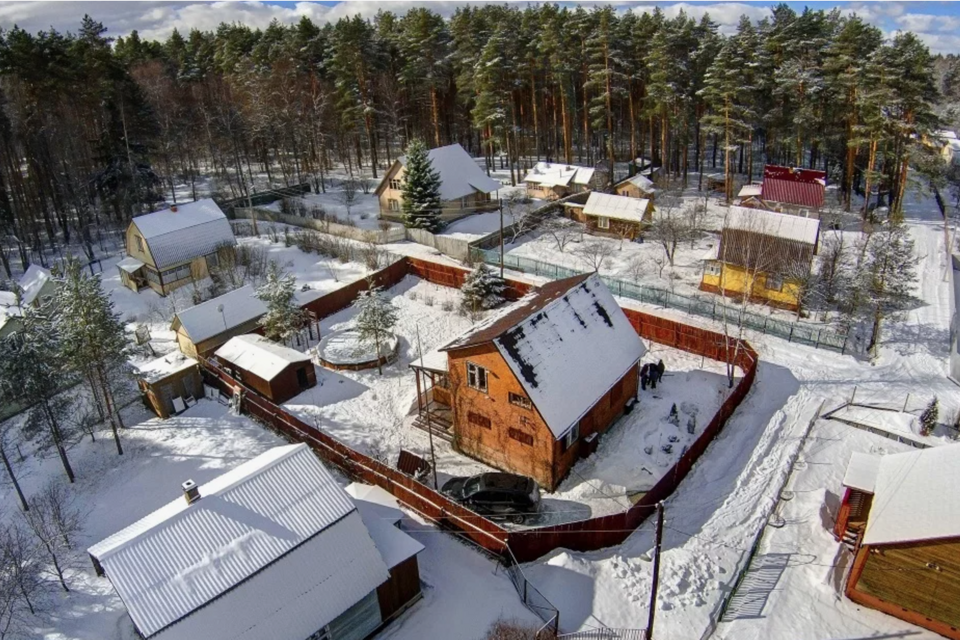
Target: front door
x,y
302,378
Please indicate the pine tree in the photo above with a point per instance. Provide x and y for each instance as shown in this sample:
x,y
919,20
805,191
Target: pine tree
x,y
928,419
482,289
284,317
376,316
92,339
606,79
421,190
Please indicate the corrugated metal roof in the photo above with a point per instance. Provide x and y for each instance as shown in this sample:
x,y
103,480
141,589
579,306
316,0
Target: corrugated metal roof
x,y
181,557
205,320
616,207
260,356
194,229
460,176
771,223
804,187
552,174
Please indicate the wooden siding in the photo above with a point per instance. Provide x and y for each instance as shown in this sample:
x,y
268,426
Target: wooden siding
x,y
736,282
282,387
183,383
631,190
401,590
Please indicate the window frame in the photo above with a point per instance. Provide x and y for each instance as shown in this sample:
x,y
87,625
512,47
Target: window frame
x,y
393,204
139,243
520,400
712,268
603,222
479,420
396,184
769,280
478,373
571,436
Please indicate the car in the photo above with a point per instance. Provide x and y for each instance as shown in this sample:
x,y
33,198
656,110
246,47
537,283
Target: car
x,y
505,496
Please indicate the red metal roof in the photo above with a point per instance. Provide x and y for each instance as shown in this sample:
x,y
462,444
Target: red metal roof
x,y
804,187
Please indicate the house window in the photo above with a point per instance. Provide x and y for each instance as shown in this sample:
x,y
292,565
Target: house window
x,y
139,243
520,436
773,283
213,260
571,436
151,275
711,268
476,377
393,205
179,273
396,184
478,420
520,400
603,223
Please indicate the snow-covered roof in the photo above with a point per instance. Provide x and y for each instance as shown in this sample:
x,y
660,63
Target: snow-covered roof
x,y
33,281
792,185
130,264
184,232
260,356
771,223
750,190
8,299
381,513
640,181
567,344
916,497
205,320
946,134
862,472
435,360
164,366
617,207
552,174
459,173
275,544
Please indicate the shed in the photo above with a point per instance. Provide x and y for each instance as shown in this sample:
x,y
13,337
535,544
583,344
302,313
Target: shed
x,y
206,326
168,378
273,370
273,550
608,214
636,186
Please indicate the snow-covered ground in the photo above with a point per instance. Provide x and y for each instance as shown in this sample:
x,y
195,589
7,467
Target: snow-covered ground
x,y
363,212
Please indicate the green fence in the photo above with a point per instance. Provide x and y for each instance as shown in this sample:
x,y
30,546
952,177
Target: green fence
x,y
710,307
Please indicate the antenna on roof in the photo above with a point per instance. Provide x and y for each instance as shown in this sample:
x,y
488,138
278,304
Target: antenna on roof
x,y
222,315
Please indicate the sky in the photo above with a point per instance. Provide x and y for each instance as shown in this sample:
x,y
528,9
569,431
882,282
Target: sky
x,y
936,23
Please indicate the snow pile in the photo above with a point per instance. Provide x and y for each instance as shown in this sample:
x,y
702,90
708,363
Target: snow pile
x,y
164,366
346,347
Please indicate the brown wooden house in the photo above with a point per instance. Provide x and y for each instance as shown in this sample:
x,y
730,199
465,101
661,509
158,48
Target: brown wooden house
x,y
551,180
276,372
636,186
532,388
201,329
605,214
169,383
907,554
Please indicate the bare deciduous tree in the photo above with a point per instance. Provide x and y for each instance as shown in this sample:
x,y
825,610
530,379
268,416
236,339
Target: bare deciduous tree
x,y
595,253
54,520
563,231
673,223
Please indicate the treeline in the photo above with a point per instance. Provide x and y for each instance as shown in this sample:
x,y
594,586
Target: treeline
x,y
94,130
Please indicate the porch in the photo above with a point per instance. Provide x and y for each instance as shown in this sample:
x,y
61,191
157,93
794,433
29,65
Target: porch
x,y
434,395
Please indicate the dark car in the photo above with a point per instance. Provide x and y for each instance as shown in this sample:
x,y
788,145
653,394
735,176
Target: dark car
x,y
498,495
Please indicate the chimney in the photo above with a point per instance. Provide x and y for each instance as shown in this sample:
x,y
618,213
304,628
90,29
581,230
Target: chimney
x,y
191,492
173,208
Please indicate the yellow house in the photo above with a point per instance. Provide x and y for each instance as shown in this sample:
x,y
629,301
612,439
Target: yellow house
x,y
169,249
464,187
762,255
201,329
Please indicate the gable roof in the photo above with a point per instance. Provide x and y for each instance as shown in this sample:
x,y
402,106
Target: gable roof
x,y
768,241
567,344
916,497
616,207
193,229
205,320
804,187
33,280
460,175
552,174
260,538
260,356
771,223
640,181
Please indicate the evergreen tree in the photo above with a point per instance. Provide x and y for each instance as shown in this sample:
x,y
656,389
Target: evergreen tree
x,y
482,289
928,419
376,317
421,190
92,340
284,317
606,79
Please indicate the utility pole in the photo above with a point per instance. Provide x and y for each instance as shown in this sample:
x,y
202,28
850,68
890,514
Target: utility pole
x,y
656,572
500,201
433,455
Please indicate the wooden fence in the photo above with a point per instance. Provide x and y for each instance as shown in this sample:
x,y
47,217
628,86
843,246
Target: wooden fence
x,y
527,544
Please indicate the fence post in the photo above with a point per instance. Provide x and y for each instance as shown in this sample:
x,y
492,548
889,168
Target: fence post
x,y
790,337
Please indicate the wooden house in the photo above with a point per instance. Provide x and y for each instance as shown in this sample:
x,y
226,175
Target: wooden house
x,y
171,248
636,186
793,190
761,255
274,549
532,388
907,555
169,383
605,214
276,372
201,329
464,187
552,181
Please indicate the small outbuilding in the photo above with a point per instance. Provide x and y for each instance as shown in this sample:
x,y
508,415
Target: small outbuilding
x,y
206,326
273,550
169,383
611,215
276,372
636,186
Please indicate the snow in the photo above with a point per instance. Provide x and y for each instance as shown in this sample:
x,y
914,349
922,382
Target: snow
x,y
862,472
164,366
129,264
641,181
893,421
548,174
259,355
916,497
346,347
770,223
750,190
32,282
616,207
222,313
381,514
363,213
435,360
194,229
460,176
477,226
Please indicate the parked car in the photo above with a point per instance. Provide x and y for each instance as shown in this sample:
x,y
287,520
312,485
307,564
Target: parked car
x,y
498,495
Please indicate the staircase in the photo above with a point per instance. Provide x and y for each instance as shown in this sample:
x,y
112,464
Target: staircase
x,y
439,428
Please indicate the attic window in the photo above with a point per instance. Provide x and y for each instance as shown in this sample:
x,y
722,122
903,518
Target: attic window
x,y
520,400
396,184
476,377
139,243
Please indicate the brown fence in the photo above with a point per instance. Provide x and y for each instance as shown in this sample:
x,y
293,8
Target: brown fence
x,y
450,276
343,297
